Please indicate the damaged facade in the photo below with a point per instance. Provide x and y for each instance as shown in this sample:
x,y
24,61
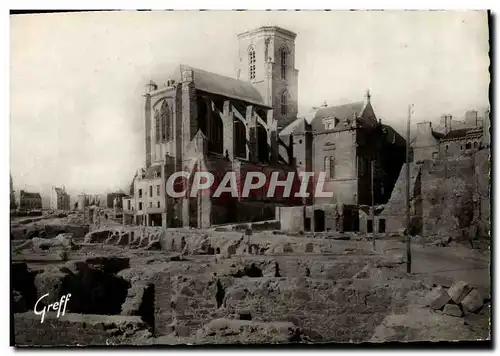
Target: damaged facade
x,y
449,181
29,201
59,199
202,121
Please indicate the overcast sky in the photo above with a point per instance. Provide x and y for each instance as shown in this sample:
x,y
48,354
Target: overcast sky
x,y
77,79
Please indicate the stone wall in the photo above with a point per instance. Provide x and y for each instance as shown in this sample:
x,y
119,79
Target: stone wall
x,y
342,146
76,330
448,197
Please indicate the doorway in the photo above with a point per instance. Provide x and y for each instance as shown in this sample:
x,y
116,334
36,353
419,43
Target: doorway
x,y
319,220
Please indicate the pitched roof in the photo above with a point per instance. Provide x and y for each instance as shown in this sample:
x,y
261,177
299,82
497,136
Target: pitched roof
x,y
226,86
460,133
25,194
340,112
295,126
393,137
150,172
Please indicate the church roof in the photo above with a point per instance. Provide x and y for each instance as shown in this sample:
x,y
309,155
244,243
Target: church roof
x,y
225,86
393,137
340,112
292,127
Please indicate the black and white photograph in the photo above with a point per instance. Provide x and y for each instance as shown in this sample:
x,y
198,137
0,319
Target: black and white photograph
x,y
250,177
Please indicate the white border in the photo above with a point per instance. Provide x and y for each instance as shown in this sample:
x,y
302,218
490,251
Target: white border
x,y
181,5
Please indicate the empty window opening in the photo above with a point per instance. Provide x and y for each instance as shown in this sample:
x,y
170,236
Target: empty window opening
x,y
381,225
369,226
319,220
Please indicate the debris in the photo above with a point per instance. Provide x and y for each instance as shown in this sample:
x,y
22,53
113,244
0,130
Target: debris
x,y
473,301
453,310
458,291
437,298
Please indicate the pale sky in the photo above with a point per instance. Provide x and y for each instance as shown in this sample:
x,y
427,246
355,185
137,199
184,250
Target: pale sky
x,y
77,79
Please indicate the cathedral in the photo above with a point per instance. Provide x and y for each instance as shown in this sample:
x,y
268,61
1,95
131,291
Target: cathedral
x,y
202,121
199,121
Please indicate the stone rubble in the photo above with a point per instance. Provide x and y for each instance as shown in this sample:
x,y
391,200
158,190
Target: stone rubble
x,y
460,299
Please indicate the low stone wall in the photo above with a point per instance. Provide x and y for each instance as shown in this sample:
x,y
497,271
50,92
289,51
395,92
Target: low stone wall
x,y
77,330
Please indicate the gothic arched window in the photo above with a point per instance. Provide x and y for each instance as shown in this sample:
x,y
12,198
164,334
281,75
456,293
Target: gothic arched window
x,y
283,103
251,63
157,127
166,124
283,62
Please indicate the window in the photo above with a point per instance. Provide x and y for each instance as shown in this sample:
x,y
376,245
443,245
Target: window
x,y
150,190
369,226
128,204
361,166
434,155
140,206
140,194
446,148
467,145
283,62
166,122
158,190
475,144
158,204
283,103
150,204
329,167
155,175
251,63
157,127
381,225
300,141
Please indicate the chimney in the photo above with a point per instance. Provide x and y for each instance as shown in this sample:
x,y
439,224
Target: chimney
x,y
446,120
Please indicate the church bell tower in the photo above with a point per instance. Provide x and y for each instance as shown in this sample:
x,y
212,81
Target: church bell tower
x,y
267,60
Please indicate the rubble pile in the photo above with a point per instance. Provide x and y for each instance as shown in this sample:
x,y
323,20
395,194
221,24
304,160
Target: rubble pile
x,y
459,300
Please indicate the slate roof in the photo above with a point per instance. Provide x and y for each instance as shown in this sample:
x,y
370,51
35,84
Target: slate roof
x,y
225,86
296,126
341,112
150,172
25,194
393,137
459,133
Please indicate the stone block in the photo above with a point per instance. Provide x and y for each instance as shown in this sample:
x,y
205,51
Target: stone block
x,y
458,291
473,301
182,330
437,298
453,310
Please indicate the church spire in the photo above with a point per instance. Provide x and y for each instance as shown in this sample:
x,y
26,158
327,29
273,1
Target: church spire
x,y
367,96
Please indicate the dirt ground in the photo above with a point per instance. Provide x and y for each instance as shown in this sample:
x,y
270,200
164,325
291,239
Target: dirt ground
x,y
278,288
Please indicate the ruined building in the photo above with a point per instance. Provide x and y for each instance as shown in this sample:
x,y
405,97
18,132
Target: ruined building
x,y
449,181
59,199
13,204
202,121
452,138
345,142
29,201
